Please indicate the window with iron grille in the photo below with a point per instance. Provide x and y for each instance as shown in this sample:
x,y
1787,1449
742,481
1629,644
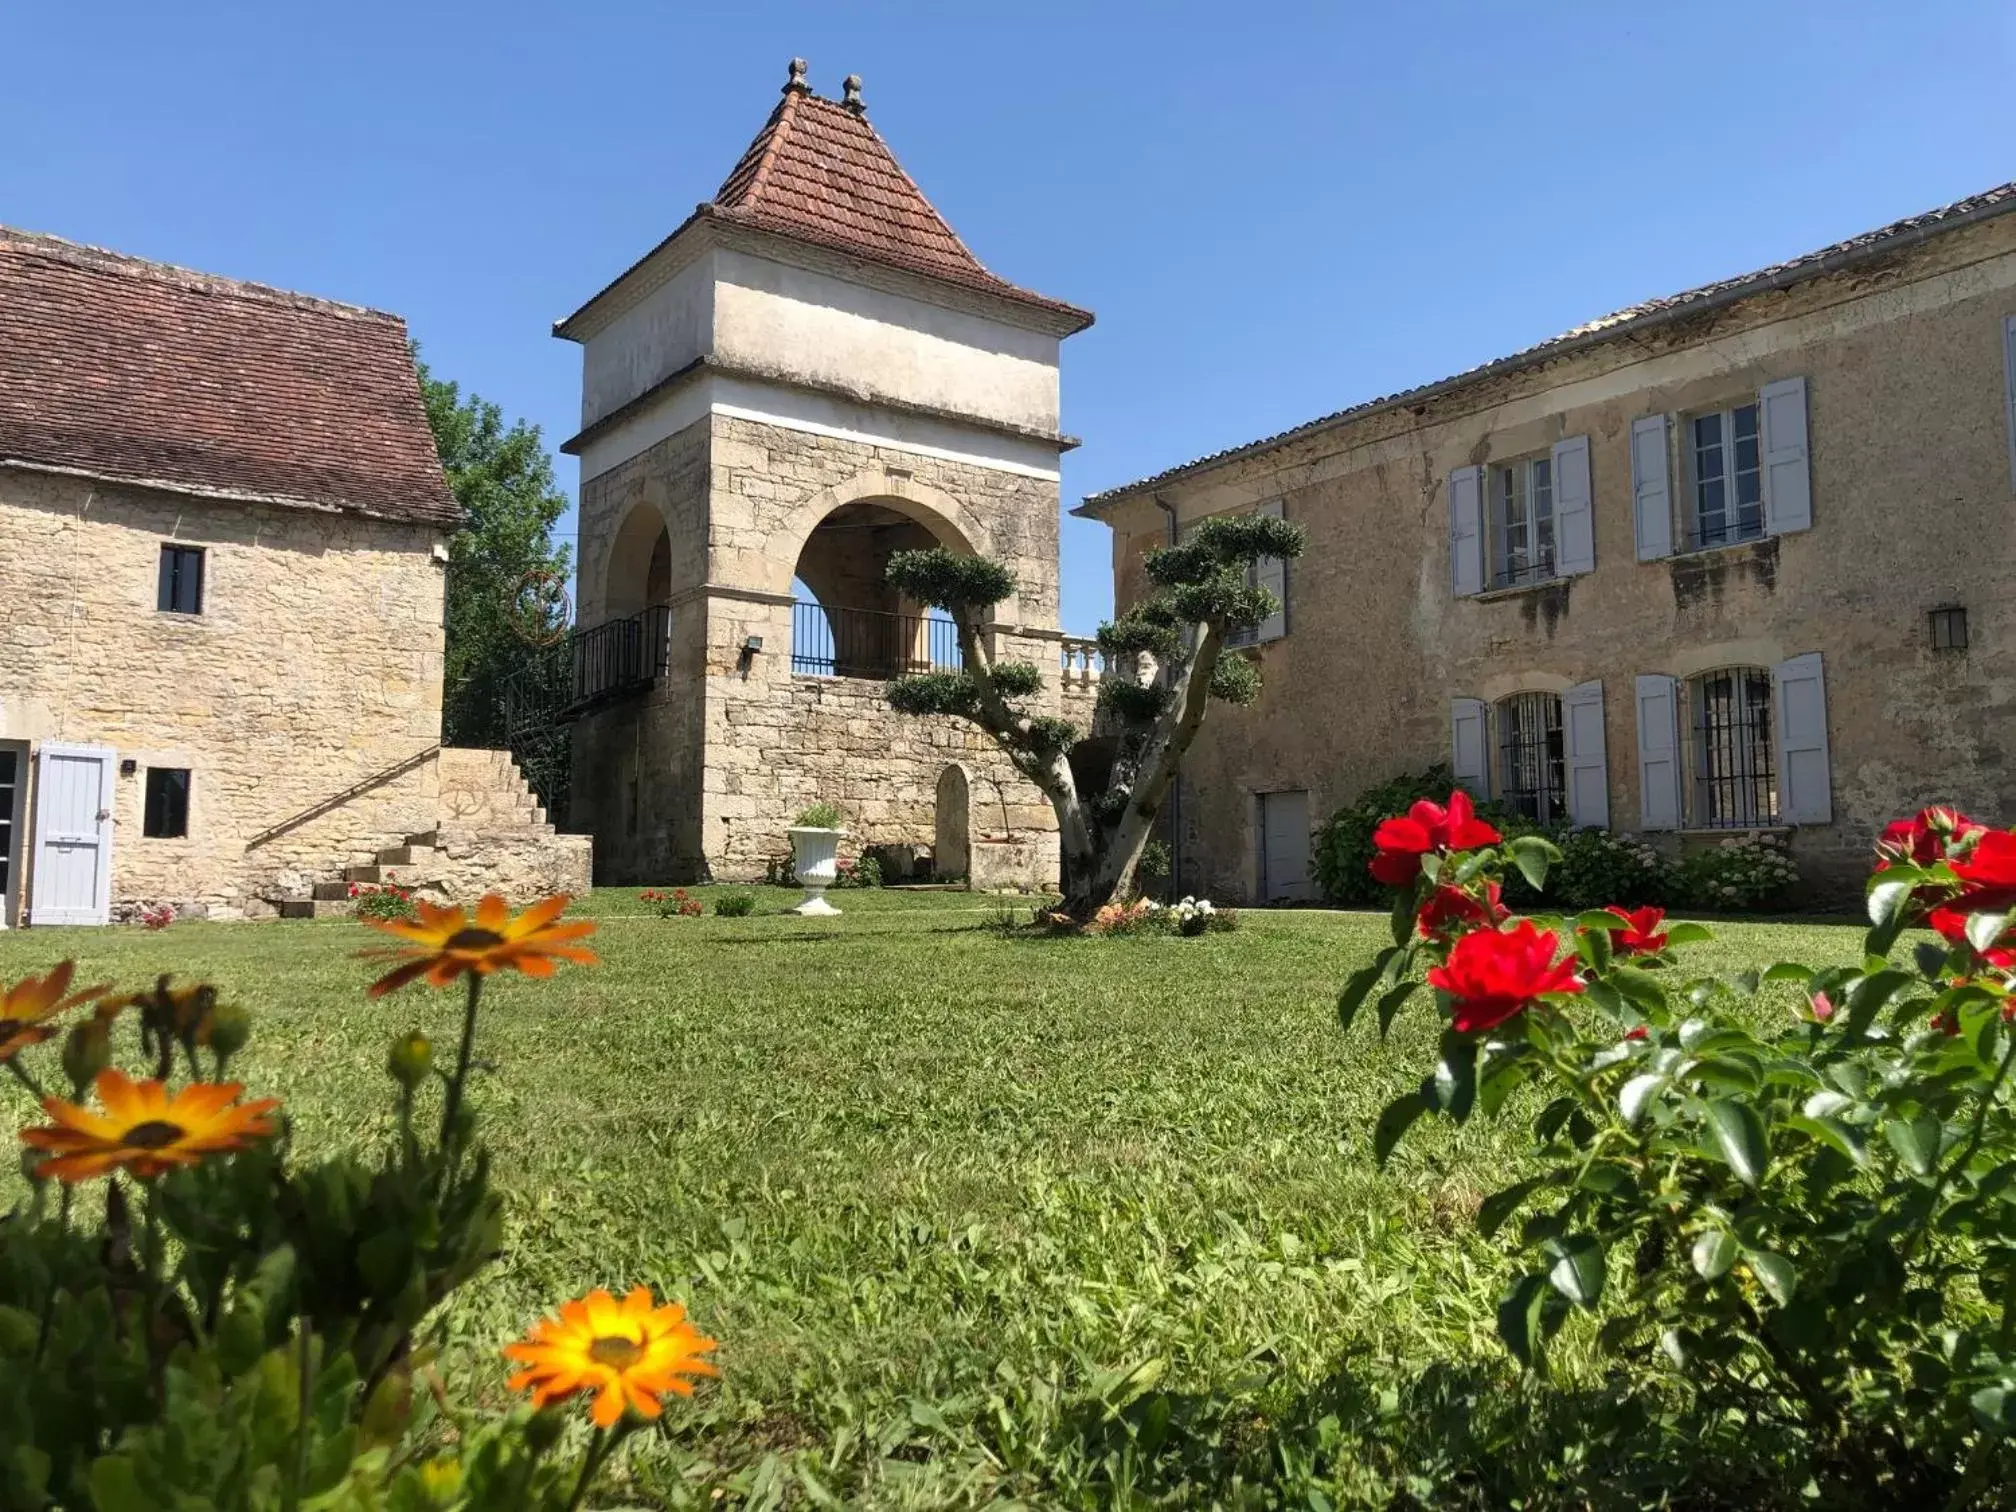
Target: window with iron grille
x,y
1522,521
1532,757
1949,629
180,590
1735,775
1726,470
166,815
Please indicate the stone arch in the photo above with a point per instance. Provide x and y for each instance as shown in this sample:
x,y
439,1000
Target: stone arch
x,y
637,566
952,840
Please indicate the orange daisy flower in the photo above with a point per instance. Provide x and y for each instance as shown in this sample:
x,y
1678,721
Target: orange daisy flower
x,y
628,1353
448,943
27,1007
145,1131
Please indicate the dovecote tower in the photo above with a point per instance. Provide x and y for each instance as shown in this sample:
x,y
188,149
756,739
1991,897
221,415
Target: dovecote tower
x,y
810,373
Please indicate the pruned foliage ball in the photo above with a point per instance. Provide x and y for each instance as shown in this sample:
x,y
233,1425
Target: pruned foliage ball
x,y
949,580
936,693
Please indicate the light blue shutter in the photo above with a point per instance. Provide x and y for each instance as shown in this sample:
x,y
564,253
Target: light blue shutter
x,y
1805,782
1788,479
2009,367
1658,752
1574,508
1469,751
1271,573
1466,530
1588,768
1651,498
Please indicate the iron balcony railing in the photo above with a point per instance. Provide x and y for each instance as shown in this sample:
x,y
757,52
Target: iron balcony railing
x,y
620,656
869,643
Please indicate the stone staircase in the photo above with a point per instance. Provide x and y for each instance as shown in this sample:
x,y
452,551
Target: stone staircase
x,y
492,837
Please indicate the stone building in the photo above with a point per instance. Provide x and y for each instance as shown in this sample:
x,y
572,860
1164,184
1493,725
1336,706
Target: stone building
x,y
222,529
810,373
1741,559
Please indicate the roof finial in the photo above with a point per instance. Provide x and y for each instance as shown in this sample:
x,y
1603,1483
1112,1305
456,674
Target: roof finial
x,y
796,83
852,98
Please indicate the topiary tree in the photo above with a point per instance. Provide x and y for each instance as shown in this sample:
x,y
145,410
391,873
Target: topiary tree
x,y
1173,641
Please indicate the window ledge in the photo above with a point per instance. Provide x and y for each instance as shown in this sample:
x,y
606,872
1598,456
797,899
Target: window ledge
x,y
1518,590
1694,552
1734,832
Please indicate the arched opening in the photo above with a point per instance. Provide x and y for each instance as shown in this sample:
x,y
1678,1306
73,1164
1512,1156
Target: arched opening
x,y
951,841
638,570
848,621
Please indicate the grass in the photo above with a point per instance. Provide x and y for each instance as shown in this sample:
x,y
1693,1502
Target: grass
x,y
977,1217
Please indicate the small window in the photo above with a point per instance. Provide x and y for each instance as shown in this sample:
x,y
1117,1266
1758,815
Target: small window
x,y
181,580
167,815
1522,522
1532,757
1726,471
1735,776
1949,629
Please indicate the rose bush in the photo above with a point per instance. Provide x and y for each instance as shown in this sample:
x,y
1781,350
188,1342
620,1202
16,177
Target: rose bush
x,y
1810,1228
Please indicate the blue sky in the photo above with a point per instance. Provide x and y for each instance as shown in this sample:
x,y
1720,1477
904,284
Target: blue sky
x,y
1276,209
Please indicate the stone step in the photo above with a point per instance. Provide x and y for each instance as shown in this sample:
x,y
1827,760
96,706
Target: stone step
x,y
331,892
409,854
316,908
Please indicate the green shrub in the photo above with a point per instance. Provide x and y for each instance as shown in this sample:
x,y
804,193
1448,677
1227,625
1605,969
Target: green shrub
x,y
1740,874
819,816
865,872
1344,844
1808,1226
380,901
1151,872
1598,868
735,905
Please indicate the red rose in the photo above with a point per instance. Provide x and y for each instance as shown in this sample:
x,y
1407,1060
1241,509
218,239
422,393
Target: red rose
x,y
1449,911
1494,974
1641,934
1636,1032
1426,827
1922,839
1988,873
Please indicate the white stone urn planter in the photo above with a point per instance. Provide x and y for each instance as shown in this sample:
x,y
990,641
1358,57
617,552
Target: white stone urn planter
x,y
815,854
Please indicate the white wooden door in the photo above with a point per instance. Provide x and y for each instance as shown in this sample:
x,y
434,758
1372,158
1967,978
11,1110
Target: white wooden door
x,y
73,834
1284,847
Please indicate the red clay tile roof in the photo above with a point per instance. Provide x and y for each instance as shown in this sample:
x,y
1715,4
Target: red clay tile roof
x,y
149,374
1869,245
819,173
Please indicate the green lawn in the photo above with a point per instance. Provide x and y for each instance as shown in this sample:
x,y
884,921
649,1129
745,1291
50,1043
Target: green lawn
x,y
948,1196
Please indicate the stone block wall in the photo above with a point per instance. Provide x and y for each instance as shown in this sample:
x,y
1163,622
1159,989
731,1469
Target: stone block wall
x,y
305,699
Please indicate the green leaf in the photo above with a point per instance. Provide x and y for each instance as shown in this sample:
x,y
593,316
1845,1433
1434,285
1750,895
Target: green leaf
x,y
1739,1137
1714,1252
1395,1121
1599,918
1360,984
1455,1078
1645,991
1916,1143
1502,1075
1495,1209
1826,1103
1578,1270
1774,1273
1521,1319
1992,1407
1786,971
1890,894
1635,1093
1867,997
1931,958
1984,929
115,1486
1831,1132
1404,911
1389,1004
1688,933
1533,856
1595,948
1674,1343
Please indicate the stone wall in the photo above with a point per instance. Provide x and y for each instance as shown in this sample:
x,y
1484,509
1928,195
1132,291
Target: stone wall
x,y
1911,505
304,699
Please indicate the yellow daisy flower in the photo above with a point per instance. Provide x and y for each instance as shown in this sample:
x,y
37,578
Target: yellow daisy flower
x,y
628,1353
446,943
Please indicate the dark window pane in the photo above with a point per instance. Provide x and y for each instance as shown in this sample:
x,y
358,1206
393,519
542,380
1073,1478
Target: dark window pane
x,y
181,589
167,811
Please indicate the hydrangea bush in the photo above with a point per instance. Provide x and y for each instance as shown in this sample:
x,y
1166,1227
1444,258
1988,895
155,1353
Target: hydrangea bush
x,y
1737,874
1808,1227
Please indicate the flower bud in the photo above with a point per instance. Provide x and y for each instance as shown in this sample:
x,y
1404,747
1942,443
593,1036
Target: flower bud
x,y
227,1029
87,1050
411,1059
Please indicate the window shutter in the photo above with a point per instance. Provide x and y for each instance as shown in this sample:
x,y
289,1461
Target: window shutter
x,y
1574,514
1588,770
1651,499
1271,573
1805,783
2009,364
1788,481
1468,748
1658,753
1466,530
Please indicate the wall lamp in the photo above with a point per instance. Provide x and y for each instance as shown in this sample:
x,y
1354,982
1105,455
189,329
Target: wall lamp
x,y
750,646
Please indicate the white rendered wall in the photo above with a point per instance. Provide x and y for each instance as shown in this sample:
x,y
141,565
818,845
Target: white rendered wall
x,y
662,333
